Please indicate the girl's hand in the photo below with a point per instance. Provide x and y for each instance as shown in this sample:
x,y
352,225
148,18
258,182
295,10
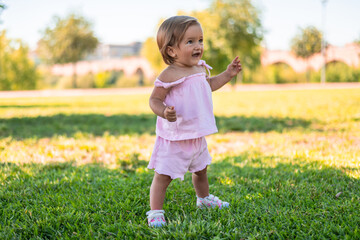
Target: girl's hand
x,y
234,67
170,114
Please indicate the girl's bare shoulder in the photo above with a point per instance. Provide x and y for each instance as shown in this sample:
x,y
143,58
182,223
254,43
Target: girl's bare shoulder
x,y
172,74
169,75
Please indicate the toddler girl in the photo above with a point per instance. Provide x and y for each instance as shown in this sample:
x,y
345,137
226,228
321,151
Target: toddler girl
x,y
182,100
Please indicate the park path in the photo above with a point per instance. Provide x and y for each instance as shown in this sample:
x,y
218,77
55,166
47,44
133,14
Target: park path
x,y
147,90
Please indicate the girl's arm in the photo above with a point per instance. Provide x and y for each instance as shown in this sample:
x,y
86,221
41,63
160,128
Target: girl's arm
x,y
157,105
220,80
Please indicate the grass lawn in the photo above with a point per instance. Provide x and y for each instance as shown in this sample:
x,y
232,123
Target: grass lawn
x,y
287,161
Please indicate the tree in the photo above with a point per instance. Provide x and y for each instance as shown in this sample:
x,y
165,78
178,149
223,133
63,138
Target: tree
x,y
306,43
151,52
240,29
67,42
214,54
17,71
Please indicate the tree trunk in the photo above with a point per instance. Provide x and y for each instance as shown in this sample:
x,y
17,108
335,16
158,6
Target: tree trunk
x,y
74,76
307,70
140,75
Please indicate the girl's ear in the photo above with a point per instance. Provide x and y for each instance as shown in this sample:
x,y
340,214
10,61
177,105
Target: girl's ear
x,y
171,52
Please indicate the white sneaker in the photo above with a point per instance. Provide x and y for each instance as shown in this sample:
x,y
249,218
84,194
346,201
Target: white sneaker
x,y
211,201
156,218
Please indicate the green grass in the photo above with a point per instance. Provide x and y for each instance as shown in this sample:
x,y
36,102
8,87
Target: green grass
x,y
287,161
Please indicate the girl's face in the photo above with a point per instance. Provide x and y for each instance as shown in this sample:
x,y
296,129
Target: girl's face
x,y
191,48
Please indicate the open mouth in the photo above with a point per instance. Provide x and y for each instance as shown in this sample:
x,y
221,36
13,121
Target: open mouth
x,y
196,55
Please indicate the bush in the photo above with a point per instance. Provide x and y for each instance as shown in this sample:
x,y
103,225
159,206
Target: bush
x,y
277,73
86,81
282,73
132,81
337,72
65,82
340,72
46,79
113,79
102,79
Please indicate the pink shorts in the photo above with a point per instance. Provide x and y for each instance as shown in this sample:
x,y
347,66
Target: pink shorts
x,y
175,158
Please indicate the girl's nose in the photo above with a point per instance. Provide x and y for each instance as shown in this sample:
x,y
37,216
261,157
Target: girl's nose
x,y
198,46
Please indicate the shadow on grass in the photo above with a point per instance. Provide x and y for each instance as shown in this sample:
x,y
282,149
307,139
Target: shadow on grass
x,y
64,200
259,124
98,124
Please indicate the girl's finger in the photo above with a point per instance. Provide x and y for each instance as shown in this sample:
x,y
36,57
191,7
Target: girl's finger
x,y
172,113
234,61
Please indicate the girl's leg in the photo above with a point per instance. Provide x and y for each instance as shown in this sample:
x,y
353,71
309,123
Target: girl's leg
x,y
158,190
201,183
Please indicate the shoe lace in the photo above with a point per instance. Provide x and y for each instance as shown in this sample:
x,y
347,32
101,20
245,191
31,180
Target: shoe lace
x,y
213,198
155,213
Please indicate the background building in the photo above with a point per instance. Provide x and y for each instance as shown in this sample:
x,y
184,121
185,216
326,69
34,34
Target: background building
x,y
110,51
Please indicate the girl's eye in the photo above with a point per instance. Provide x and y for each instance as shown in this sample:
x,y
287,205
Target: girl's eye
x,y
200,41
190,42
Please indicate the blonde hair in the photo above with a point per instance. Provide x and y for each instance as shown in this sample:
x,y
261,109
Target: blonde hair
x,y
171,32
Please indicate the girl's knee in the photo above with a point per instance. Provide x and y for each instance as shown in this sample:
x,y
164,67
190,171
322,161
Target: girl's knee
x,y
162,177
201,172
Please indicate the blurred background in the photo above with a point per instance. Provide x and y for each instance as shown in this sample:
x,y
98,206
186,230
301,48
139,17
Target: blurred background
x,y
111,44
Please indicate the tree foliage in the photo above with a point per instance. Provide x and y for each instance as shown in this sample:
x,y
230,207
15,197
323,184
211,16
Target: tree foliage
x,y
231,28
239,29
68,41
151,52
214,53
307,42
2,6
17,71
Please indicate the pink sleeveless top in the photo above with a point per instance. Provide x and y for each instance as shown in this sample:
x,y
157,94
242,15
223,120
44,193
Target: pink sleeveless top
x,y
191,98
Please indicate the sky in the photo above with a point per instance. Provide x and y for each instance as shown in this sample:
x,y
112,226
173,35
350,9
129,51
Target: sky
x,y
125,21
